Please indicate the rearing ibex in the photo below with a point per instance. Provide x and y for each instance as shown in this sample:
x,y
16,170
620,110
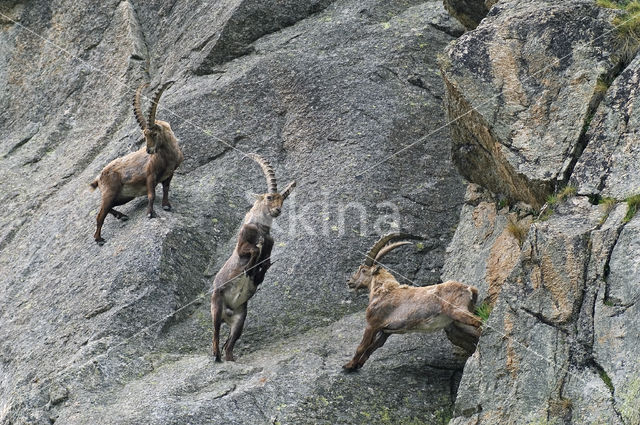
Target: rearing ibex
x,y
395,308
138,173
239,277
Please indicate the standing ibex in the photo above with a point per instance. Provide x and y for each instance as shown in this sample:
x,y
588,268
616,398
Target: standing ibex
x,y
138,173
239,277
395,308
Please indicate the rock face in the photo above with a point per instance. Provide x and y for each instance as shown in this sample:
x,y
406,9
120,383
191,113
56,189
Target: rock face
x,y
608,165
345,97
327,91
557,348
521,88
468,12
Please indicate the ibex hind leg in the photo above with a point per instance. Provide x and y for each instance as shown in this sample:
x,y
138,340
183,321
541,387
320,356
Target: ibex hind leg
x,y
117,214
236,330
166,205
108,201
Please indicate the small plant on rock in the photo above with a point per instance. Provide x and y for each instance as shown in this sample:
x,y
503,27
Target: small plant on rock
x,y
632,207
627,24
566,193
483,311
518,230
607,205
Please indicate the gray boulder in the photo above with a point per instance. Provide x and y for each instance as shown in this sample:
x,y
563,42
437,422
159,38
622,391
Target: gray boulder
x,y
520,88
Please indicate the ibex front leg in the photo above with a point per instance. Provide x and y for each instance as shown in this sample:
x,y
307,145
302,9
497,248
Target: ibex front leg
x,y
216,313
381,338
151,195
367,341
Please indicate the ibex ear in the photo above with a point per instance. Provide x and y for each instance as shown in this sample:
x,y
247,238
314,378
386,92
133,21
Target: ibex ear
x,y
375,269
288,190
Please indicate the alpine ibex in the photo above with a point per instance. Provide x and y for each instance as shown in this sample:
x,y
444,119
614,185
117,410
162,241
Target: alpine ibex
x,y
138,173
239,277
395,308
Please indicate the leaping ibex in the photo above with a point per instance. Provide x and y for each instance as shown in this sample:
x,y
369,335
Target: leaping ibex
x,y
138,173
395,308
239,277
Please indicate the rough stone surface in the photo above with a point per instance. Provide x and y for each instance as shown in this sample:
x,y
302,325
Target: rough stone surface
x,y
560,346
526,351
468,12
520,87
608,166
484,248
326,91
616,335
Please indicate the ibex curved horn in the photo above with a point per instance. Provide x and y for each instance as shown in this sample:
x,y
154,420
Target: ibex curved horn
x,y
375,252
387,249
136,107
154,102
287,191
267,169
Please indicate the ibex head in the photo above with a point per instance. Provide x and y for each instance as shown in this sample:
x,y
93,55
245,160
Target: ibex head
x,y
270,203
156,133
368,269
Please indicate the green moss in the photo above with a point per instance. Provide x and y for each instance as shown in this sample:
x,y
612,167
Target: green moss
x,y
606,379
587,121
632,207
601,86
484,311
630,408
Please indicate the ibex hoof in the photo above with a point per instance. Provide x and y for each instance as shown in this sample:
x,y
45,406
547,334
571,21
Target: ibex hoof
x,y
348,368
151,215
100,241
166,207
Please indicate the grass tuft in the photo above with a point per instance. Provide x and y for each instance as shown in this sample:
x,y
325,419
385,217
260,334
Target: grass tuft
x,y
484,311
607,205
567,192
632,207
627,24
517,230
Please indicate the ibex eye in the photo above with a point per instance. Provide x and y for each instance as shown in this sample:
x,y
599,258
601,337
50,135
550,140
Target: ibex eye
x,y
269,198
